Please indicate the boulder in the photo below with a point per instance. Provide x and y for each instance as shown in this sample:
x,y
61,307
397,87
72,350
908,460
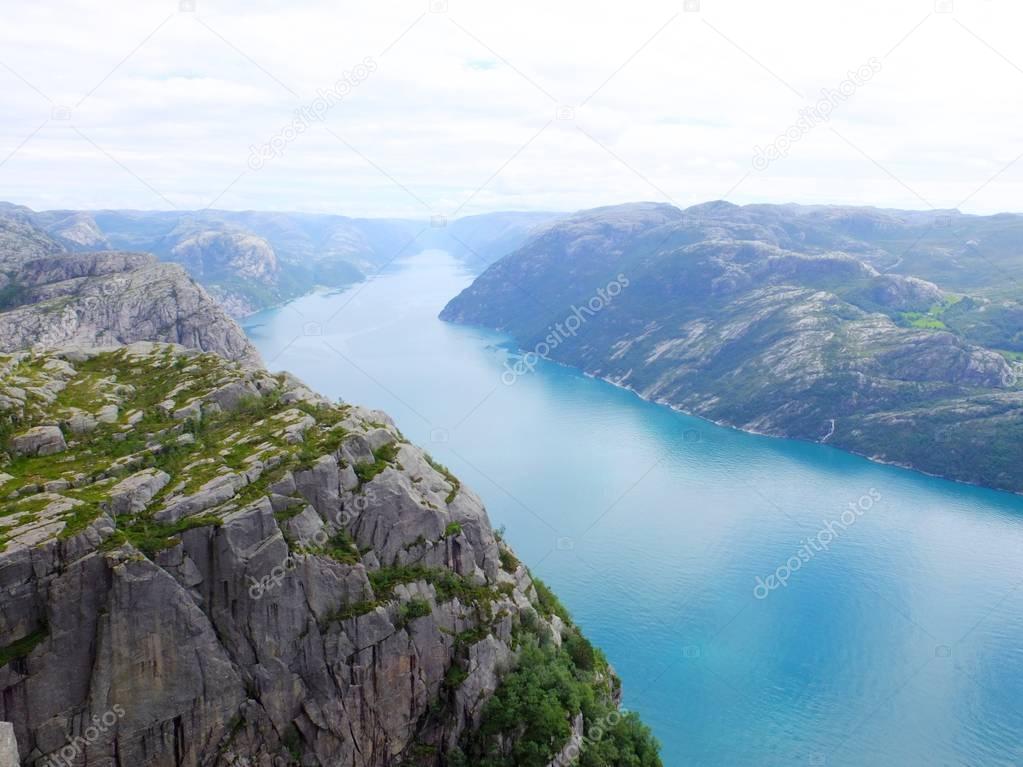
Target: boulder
x,y
81,423
132,494
108,414
40,440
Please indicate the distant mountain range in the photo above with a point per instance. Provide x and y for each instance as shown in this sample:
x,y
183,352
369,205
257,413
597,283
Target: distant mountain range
x,y
894,334
250,260
50,296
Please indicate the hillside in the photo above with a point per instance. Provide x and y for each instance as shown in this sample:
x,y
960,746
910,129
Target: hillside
x,y
250,260
228,569
748,323
50,296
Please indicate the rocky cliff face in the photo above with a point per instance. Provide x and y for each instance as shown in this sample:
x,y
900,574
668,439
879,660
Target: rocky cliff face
x,y
710,311
205,564
52,297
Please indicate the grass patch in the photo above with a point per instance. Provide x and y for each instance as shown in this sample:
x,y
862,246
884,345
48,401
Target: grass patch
x,y
509,562
414,608
342,548
151,537
455,676
79,519
382,458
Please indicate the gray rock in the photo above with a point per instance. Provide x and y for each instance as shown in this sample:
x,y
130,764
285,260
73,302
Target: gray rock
x,y
193,411
88,300
108,414
81,423
230,396
39,440
8,746
133,494
214,645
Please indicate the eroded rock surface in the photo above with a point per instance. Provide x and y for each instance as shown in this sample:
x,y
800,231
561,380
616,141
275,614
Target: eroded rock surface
x,y
294,583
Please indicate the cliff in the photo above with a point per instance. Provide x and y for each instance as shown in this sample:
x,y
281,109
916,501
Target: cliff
x,y
52,297
202,563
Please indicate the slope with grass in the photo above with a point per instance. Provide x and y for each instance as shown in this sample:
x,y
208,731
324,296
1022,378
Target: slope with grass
x,y
751,320
251,574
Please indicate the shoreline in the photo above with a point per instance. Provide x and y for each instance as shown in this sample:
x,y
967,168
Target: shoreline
x,y
724,424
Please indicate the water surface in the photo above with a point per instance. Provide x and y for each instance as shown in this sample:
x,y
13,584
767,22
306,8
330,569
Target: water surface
x,y
900,644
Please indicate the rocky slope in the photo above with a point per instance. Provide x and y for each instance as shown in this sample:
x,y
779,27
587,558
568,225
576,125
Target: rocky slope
x,y
202,563
719,312
52,297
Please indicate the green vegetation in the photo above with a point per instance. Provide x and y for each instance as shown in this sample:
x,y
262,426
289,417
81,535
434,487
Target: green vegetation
x,y
342,548
22,647
509,562
455,675
12,295
933,318
448,585
382,458
152,537
549,604
453,529
409,611
921,320
534,706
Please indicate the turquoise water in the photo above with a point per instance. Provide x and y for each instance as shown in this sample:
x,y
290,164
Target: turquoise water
x,y
901,643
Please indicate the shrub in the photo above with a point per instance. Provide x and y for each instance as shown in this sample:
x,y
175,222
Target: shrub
x,y
580,651
549,603
414,608
382,457
509,562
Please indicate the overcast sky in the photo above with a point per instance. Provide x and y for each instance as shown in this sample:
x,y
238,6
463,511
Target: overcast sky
x,y
472,106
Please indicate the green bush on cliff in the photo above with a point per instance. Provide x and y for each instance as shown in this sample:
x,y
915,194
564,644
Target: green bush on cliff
x,y
532,710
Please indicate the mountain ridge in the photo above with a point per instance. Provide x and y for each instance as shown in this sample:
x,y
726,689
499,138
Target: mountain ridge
x,y
723,319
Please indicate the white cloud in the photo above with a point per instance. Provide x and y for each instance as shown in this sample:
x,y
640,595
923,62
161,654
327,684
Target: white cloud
x,y
666,104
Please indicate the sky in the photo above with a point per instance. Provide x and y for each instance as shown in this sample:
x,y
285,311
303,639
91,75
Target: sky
x,y
427,107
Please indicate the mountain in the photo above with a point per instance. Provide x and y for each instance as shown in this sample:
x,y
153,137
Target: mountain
x,y
249,260
50,296
748,316
480,240
202,563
